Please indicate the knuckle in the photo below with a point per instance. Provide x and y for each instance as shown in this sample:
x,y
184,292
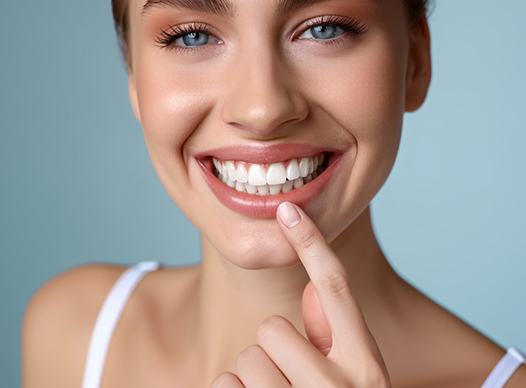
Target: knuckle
x,y
270,327
247,356
224,380
307,238
338,382
377,381
334,284
330,376
374,377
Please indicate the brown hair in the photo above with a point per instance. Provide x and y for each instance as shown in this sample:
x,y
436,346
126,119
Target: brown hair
x,y
415,8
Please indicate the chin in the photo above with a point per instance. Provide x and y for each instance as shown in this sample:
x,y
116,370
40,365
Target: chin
x,y
261,251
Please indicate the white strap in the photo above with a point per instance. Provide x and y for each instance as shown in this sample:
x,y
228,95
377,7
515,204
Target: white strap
x,y
107,320
504,368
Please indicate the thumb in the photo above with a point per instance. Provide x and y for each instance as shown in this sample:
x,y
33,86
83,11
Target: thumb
x,y
316,325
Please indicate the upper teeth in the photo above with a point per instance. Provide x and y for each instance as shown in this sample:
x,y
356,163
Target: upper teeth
x,y
273,174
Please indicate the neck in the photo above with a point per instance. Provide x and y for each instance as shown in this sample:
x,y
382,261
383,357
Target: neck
x,y
234,301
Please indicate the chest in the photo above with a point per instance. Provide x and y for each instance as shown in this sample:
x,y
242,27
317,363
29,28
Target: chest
x,y
145,365
142,363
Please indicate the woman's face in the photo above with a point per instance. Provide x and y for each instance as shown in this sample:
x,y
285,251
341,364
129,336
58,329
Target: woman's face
x,y
261,77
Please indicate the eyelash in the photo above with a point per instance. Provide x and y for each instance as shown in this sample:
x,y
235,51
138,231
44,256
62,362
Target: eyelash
x,y
167,37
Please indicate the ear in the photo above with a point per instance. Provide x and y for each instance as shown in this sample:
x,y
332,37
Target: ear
x,y
418,76
132,94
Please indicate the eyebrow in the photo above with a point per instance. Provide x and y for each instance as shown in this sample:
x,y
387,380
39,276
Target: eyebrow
x,y
226,7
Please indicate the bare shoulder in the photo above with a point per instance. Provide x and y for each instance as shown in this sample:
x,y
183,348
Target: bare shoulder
x,y
58,322
518,379
60,317
452,352
483,354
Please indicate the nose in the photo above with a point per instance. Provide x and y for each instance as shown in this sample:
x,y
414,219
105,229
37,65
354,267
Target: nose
x,y
261,97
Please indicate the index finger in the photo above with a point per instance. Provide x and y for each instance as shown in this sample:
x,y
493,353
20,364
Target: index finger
x,y
329,278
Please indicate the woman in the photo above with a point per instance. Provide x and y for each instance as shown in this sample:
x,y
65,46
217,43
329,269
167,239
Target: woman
x,y
247,105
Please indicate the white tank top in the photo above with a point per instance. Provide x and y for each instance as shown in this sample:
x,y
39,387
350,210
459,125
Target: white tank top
x,y
122,289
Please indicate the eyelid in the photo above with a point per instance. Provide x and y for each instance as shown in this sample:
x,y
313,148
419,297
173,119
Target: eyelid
x,y
329,19
346,23
166,37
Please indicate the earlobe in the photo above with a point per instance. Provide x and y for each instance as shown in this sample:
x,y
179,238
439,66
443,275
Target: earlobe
x,y
418,76
132,94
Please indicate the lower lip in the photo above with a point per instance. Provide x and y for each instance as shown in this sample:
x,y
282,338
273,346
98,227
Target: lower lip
x,y
257,206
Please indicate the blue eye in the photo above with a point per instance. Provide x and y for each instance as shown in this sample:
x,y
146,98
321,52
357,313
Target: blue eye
x,y
325,27
198,37
194,36
191,35
323,31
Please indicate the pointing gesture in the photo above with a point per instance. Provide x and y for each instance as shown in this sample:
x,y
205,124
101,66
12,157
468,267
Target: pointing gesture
x,y
340,350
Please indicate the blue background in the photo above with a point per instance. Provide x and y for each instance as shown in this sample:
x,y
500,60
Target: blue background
x,y
77,184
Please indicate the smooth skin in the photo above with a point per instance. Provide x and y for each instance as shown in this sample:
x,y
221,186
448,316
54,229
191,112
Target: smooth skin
x,y
264,78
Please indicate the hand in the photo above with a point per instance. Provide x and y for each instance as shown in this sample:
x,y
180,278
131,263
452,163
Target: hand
x,y
340,350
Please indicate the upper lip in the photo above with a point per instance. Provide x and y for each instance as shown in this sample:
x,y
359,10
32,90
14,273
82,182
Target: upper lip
x,y
256,153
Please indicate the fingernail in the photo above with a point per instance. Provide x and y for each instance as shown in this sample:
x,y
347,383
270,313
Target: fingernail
x,y
288,214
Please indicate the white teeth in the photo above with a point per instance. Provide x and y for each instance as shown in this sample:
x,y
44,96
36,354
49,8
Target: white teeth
x,y
242,173
276,174
266,189
277,178
275,189
311,165
217,165
231,182
257,175
231,170
298,183
293,170
262,190
251,189
304,167
287,186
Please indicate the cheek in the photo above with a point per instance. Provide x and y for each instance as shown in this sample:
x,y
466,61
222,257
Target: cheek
x,y
172,105
376,95
362,90
367,100
166,101
377,111
378,107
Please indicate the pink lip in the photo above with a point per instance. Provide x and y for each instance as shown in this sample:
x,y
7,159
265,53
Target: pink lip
x,y
257,206
266,154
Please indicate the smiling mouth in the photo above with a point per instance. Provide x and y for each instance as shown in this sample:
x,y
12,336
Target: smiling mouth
x,y
256,189
271,178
